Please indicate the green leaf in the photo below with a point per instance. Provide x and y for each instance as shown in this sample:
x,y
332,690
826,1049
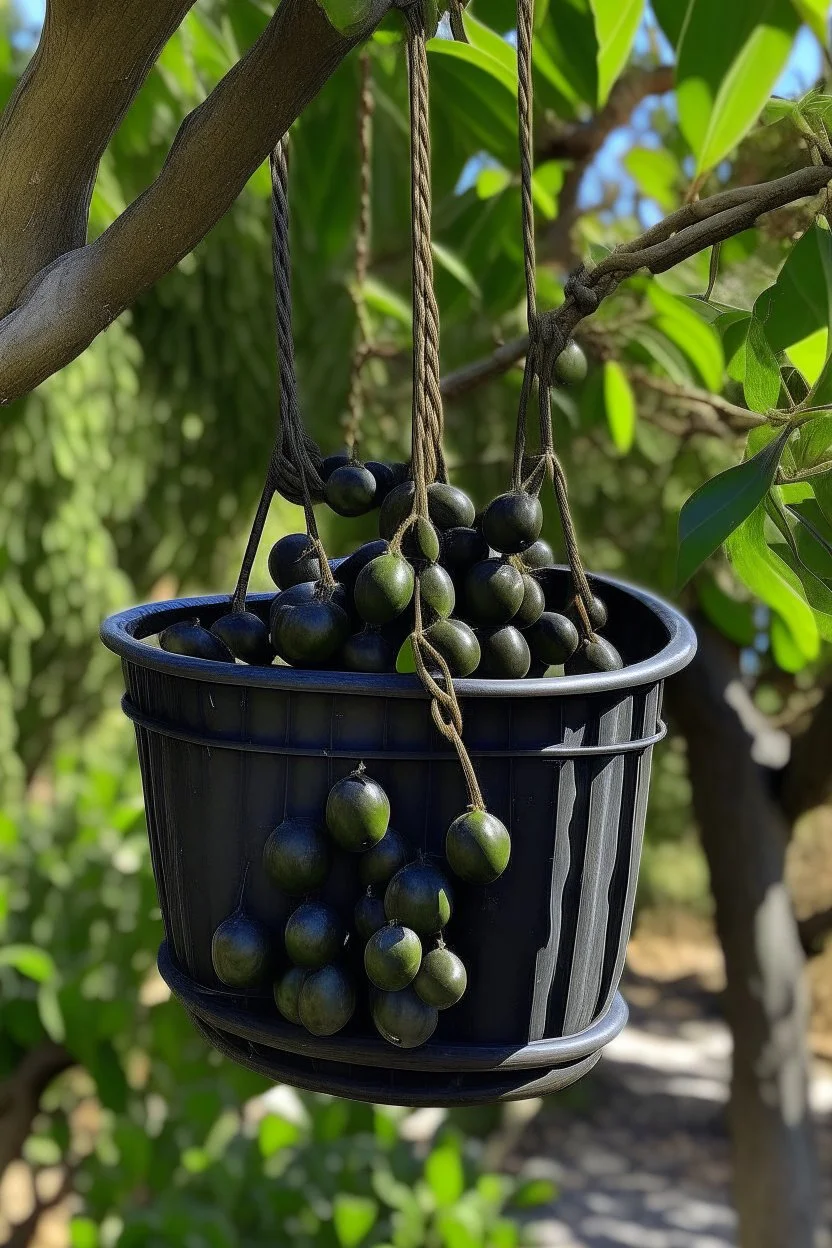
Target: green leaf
x,y
822,489
386,302
616,23
28,960
761,384
534,1192
655,171
496,68
565,57
405,662
773,582
815,13
83,1233
275,1133
51,1015
719,506
451,263
699,341
734,619
730,56
814,441
671,14
444,1174
800,301
353,1217
491,181
620,405
777,110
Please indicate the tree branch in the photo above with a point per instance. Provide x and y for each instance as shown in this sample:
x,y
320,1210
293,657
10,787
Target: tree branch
x,y
736,417
217,149
20,1096
90,62
685,232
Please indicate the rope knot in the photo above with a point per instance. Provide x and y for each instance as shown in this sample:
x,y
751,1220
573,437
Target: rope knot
x,y
584,297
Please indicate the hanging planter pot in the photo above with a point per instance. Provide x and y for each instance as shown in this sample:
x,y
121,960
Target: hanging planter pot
x,y
414,889
564,762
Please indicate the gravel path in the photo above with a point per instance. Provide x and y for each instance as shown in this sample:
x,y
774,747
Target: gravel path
x,y
640,1148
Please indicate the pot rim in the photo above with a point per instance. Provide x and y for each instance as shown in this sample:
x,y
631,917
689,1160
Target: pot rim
x,y
119,634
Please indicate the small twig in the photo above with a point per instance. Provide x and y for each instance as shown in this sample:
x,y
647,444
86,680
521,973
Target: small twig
x,y
732,412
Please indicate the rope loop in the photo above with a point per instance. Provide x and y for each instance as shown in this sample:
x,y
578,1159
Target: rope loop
x,y
586,299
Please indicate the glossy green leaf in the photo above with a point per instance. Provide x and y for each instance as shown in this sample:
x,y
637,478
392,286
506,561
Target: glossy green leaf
x,y
761,384
565,57
773,582
719,506
656,172
451,263
386,301
815,13
730,56
810,354
353,1218
734,619
28,960
800,301
620,406
776,110
495,67
616,23
444,1174
491,181
699,341
670,14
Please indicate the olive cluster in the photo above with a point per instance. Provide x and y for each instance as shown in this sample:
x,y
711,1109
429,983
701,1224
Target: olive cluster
x,y
399,920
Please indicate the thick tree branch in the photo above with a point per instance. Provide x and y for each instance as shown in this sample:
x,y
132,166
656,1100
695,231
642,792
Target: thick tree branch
x,y
215,152
90,62
685,232
20,1096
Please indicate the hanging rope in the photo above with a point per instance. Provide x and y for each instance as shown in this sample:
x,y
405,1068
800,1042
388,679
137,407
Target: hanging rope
x,y
295,460
356,397
427,459
545,338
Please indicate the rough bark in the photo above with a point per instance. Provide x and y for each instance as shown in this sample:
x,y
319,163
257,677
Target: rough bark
x,y
20,1096
217,149
90,62
744,835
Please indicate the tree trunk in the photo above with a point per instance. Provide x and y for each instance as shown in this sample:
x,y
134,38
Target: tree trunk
x,y
744,835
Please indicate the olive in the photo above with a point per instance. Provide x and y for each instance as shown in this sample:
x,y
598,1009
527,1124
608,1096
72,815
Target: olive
x,y
369,651
369,915
553,639
287,993
240,951
421,541
395,509
296,856
333,462
327,1001
311,632
477,847
347,570
457,643
419,896
596,609
392,957
385,478
292,559
384,588
246,636
403,1019
306,591
505,653
379,864
537,668
314,935
188,637
449,507
513,521
442,979
357,811
594,656
538,555
494,592
351,490
533,604
570,366
436,590
461,549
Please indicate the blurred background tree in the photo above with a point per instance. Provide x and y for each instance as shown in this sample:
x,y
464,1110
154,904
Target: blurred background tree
x,y
134,471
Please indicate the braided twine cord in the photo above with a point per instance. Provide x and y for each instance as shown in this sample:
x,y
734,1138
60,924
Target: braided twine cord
x,y
545,338
361,352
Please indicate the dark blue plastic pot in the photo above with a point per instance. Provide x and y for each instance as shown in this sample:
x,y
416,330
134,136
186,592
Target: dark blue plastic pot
x,y
227,750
